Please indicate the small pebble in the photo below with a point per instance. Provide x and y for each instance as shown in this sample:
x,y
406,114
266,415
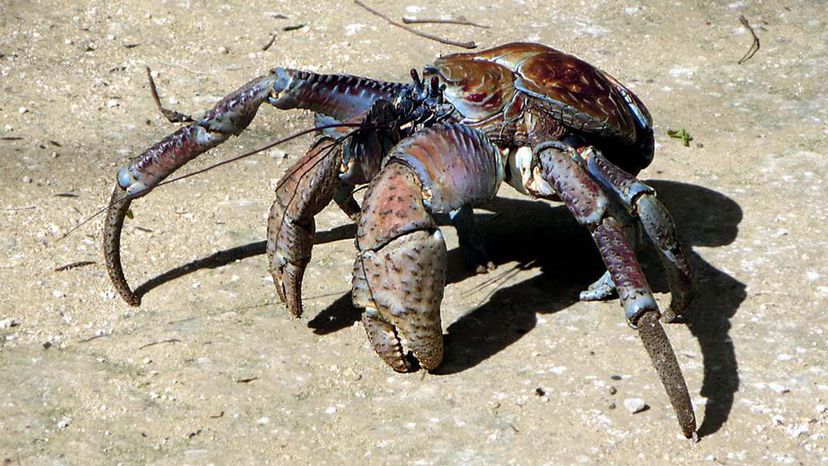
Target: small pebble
x,y
22,110
612,390
8,323
635,405
778,388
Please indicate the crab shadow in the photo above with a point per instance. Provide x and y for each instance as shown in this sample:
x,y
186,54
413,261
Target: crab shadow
x,y
545,236
540,235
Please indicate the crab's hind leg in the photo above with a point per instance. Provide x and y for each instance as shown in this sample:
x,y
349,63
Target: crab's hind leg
x,y
400,270
641,202
591,206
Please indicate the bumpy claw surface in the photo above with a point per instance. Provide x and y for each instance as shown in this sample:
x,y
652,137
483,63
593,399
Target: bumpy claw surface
x,y
400,272
301,194
402,284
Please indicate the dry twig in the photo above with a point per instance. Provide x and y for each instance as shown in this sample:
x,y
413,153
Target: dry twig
x,y
754,46
459,20
171,115
171,340
465,45
269,43
74,265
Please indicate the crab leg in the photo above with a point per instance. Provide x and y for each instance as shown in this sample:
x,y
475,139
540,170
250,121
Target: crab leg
x,y
339,96
641,202
591,207
400,269
230,116
303,193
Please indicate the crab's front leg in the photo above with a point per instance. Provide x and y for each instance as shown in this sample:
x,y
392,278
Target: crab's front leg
x,y
400,270
641,202
593,208
339,96
136,179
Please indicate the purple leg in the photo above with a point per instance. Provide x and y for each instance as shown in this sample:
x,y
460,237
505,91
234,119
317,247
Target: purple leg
x,y
592,208
341,97
640,201
302,193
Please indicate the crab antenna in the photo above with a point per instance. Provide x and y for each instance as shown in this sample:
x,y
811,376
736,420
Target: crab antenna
x,y
218,164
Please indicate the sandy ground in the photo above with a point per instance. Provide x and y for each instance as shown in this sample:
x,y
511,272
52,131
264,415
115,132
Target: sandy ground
x,y
211,369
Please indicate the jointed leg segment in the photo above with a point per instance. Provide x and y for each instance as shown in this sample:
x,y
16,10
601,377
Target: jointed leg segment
x,y
592,208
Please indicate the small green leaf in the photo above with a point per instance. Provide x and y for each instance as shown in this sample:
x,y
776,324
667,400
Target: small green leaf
x,y
129,214
681,134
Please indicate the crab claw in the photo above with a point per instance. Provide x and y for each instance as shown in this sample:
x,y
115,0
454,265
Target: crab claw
x,y
301,194
400,272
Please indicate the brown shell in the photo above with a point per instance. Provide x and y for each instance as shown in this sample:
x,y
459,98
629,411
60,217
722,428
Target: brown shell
x,y
576,93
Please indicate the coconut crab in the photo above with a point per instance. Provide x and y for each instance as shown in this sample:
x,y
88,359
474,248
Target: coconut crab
x,y
549,124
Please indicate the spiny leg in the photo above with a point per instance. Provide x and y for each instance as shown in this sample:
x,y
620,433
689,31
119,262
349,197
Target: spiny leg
x,y
342,97
303,192
592,208
604,288
640,200
230,116
400,269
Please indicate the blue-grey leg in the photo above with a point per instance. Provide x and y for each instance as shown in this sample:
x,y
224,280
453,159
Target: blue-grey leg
x,y
471,241
640,201
344,197
600,290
